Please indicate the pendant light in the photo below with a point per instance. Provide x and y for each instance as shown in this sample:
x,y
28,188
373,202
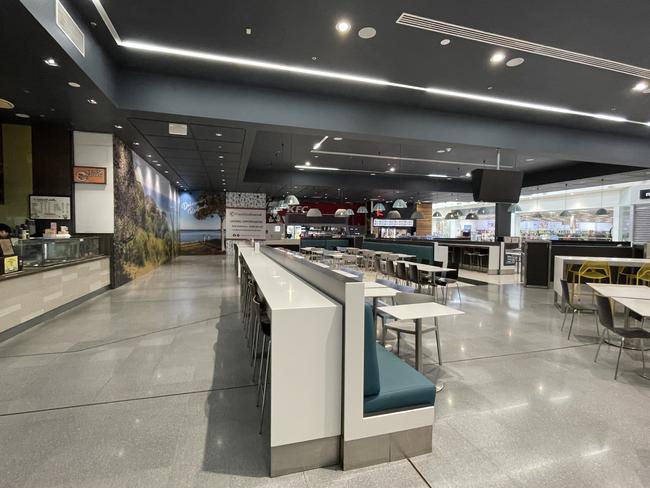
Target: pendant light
x,y
399,203
436,215
349,212
601,211
314,212
417,215
379,207
514,208
283,205
394,214
471,216
565,212
482,211
292,200
459,213
341,212
362,210
451,216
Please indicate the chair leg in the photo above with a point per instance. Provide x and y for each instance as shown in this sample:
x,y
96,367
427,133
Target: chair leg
x,y
458,290
259,377
383,331
620,350
573,316
600,343
643,356
438,347
566,314
399,335
596,319
266,381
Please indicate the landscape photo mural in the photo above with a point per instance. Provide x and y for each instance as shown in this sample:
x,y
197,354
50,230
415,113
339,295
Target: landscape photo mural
x,y
146,216
201,222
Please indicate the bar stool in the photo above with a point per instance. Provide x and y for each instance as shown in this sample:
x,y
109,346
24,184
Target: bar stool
x,y
483,260
265,363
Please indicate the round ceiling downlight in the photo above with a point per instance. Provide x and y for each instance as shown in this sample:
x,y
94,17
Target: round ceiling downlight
x,y
515,62
22,116
6,104
367,32
343,26
445,42
74,84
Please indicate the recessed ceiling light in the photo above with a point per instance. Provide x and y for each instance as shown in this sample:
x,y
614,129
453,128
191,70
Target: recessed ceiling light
x,y
392,169
314,58
468,174
343,26
117,126
490,88
6,104
176,129
51,62
220,157
22,116
157,164
166,171
136,143
448,149
74,84
154,160
530,159
307,163
148,155
441,151
445,42
515,62
497,58
218,134
367,32
248,31
92,101
640,86
223,170
315,167
338,138
373,174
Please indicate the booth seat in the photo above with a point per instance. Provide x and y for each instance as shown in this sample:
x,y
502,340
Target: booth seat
x,y
420,252
389,383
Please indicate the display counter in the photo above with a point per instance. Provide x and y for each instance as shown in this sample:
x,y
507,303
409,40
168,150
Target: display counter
x,y
56,274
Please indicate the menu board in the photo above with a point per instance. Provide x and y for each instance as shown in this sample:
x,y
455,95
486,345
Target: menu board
x,y
392,223
49,208
245,223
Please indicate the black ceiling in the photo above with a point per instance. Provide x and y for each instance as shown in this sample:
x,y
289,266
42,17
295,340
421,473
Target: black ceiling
x,y
261,156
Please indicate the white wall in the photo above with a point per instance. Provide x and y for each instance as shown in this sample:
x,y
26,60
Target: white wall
x,y
94,209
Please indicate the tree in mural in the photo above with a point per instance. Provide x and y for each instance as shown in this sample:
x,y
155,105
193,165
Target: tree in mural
x,y
210,204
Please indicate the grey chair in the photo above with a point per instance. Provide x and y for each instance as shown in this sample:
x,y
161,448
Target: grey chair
x,y
408,326
400,272
606,319
570,306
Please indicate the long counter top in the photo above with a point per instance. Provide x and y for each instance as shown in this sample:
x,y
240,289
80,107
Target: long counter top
x,y
41,269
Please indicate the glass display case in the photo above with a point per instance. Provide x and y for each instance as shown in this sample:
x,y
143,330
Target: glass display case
x,y
46,252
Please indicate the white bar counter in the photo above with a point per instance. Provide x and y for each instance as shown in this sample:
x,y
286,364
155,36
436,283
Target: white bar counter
x,y
306,368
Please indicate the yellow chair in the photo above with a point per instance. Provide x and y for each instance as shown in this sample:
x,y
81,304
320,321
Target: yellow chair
x,y
629,272
643,275
592,271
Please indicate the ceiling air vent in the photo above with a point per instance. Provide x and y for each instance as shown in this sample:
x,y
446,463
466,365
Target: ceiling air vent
x,y
178,129
70,28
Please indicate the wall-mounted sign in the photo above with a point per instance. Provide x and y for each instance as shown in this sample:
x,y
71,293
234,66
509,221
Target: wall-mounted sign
x,y
91,175
245,223
49,208
644,195
393,223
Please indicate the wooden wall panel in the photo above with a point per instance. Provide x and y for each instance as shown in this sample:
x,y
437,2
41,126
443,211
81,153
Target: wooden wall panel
x,y
423,227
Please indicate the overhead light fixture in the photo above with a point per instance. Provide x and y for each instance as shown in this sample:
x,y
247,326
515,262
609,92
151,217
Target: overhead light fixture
x,y
451,216
497,58
51,62
433,175
601,212
220,157
343,26
482,211
177,129
117,126
319,143
92,101
148,155
74,84
471,216
399,203
445,42
136,143
441,151
448,149
349,212
375,174
394,214
367,32
417,215
468,175
436,215
341,212
6,104
337,138
512,63
218,134
391,169
166,171
459,213
307,163
528,160
379,207
514,208
254,63
565,213
640,86
362,210
292,200
324,168
314,212
22,116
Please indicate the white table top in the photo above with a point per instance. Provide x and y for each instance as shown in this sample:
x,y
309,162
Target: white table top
x,y
642,307
427,267
384,291
579,259
315,250
621,291
419,311
281,289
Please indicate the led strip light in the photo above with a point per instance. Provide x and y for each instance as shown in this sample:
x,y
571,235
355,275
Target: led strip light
x,y
272,66
402,158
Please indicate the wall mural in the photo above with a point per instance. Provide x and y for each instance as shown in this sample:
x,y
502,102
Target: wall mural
x,y
146,216
201,223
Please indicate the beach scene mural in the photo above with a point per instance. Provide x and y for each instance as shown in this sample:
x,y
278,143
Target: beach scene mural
x,y
146,216
201,222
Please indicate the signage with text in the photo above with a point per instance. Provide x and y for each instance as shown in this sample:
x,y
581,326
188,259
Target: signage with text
x,y
392,223
245,223
644,194
89,175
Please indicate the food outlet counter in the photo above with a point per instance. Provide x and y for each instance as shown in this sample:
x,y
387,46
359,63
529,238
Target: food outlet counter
x,y
321,326
54,274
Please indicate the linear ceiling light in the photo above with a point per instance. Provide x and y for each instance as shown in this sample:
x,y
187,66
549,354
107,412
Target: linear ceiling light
x,y
319,143
303,166
437,176
255,63
402,158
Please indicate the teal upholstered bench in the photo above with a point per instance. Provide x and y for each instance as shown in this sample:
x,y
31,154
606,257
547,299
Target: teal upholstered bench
x,y
420,252
388,382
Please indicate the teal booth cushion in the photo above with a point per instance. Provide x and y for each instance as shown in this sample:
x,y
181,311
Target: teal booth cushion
x,y
370,364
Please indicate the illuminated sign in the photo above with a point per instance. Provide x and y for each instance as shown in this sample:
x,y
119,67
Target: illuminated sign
x,y
392,223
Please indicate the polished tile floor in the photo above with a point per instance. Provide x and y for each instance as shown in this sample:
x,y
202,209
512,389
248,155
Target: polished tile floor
x,y
148,386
